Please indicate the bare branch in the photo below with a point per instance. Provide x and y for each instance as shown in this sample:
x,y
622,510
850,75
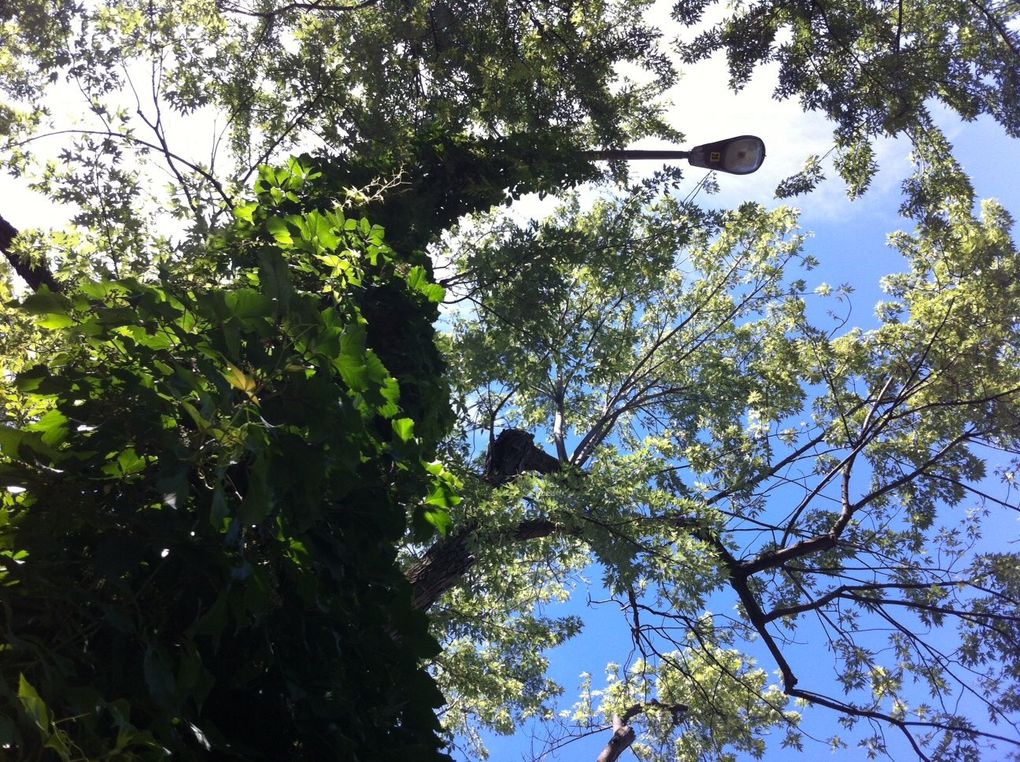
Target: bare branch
x,y
208,177
226,7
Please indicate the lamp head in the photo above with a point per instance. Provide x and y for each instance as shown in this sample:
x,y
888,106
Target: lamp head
x,y
741,155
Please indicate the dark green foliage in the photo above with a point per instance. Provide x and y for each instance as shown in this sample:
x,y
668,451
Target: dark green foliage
x,y
802,182
445,174
198,552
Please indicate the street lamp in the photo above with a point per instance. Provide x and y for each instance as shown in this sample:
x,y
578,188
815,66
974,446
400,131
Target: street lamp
x,y
741,155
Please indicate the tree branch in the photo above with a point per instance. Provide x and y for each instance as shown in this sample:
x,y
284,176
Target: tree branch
x,y
450,558
623,733
34,275
623,737
309,6
127,138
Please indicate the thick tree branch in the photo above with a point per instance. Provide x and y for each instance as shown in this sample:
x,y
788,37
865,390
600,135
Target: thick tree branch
x,y
34,275
623,737
441,568
559,425
510,454
623,733
450,558
514,452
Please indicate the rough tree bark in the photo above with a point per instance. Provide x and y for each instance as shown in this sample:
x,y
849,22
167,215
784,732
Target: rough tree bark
x,y
449,559
441,567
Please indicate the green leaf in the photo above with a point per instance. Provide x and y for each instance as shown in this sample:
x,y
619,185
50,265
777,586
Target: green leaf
x,y
218,509
403,428
192,411
439,518
418,280
33,704
55,322
52,427
443,495
45,302
352,362
245,211
322,231
52,310
277,228
159,677
18,445
126,462
390,393
31,379
212,623
274,276
802,182
102,290
240,380
247,303
257,502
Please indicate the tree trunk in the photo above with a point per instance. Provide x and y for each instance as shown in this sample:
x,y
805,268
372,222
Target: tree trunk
x,y
441,568
512,453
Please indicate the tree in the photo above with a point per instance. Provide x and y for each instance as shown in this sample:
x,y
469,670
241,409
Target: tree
x,y
665,352
873,68
717,448
202,505
282,75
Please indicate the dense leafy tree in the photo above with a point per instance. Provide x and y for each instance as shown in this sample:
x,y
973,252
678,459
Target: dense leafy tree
x,y
365,81
710,443
203,503
871,66
718,449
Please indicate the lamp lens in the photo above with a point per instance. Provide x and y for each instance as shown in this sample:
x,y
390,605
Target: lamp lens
x,y
744,156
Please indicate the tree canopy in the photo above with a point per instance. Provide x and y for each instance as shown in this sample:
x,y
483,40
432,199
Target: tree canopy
x,y
249,459
204,495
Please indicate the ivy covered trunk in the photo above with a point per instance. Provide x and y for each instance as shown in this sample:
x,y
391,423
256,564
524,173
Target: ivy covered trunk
x,y
197,539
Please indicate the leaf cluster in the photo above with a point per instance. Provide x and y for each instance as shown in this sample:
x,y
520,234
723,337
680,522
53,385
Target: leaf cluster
x,y
873,68
198,531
